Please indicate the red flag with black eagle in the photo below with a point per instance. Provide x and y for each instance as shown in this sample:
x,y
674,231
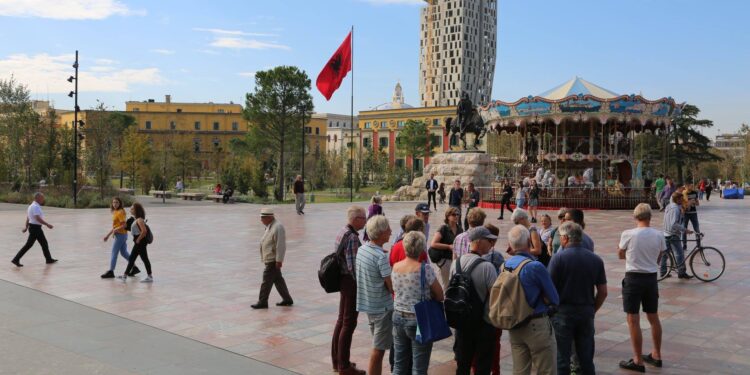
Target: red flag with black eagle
x,y
336,69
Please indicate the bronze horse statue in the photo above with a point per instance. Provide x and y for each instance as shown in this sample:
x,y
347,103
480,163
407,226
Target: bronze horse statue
x,y
472,124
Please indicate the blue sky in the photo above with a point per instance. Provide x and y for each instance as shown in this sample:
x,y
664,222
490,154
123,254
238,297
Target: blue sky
x,y
692,50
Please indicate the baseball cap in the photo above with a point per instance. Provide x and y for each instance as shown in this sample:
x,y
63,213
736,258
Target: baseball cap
x,y
481,232
423,208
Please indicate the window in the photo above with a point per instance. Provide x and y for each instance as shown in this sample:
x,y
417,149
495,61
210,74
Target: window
x,y
418,163
367,125
221,111
435,140
197,125
317,130
400,124
136,109
383,142
216,142
383,124
454,140
216,126
366,142
179,109
196,145
400,163
436,122
235,126
335,137
172,125
148,125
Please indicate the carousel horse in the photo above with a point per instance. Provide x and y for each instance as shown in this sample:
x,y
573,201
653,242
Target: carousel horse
x,y
588,177
538,176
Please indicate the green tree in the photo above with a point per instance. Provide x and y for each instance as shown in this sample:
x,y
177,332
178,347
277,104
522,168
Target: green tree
x,y
185,156
688,146
98,152
414,141
277,109
136,158
20,130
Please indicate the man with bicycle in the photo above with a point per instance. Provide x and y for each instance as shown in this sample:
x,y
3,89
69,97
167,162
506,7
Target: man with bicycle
x,y
674,227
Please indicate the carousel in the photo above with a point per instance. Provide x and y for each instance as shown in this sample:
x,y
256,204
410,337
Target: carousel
x,y
577,142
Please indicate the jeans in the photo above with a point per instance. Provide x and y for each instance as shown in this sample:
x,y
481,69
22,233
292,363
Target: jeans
x,y
690,217
346,323
574,325
405,345
119,247
673,244
520,203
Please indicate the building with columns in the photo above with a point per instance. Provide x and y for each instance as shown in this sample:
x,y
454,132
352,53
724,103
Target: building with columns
x,y
458,40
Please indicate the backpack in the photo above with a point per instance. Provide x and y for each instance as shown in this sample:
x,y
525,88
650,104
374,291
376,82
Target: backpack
x,y
508,305
149,235
329,273
463,307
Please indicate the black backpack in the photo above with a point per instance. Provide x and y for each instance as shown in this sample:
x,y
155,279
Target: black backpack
x,y
463,307
149,235
332,266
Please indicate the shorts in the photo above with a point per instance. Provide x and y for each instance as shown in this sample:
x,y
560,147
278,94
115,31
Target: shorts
x,y
533,202
381,327
640,289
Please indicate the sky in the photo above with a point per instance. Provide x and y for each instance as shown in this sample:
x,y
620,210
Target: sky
x,y
695,51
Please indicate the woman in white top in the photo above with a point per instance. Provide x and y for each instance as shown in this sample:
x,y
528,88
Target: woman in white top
x,y
408,291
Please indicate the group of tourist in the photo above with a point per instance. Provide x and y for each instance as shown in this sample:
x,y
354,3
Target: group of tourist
x,y
564,294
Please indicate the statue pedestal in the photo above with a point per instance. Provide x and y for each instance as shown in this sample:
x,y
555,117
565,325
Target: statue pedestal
x,y
466,166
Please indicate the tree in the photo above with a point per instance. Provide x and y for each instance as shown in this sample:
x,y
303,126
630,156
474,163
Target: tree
x,y
98,152
414,141
277,109
136,156
185,155
688,145
49,158
20,130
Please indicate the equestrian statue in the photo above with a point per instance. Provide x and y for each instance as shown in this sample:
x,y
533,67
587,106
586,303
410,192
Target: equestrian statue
x,y
468,121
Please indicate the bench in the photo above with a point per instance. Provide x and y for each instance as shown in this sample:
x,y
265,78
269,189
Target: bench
x,y
161,193
126,191
218,198
191,196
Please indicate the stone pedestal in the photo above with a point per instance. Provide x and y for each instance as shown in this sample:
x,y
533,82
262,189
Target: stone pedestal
x,y
467,167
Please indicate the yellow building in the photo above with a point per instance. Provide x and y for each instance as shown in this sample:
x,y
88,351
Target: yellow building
x,y
379,128
316,135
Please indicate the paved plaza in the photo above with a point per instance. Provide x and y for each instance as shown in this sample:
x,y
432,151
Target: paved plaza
x,y
207,273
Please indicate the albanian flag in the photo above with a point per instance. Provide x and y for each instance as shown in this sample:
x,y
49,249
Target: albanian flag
x,y
336,69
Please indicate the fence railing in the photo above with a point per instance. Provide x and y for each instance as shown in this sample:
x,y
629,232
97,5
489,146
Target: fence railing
x,y
578,197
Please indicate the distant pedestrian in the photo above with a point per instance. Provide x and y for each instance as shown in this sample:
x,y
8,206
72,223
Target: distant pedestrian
x,y
179,186
658,189
534,341
411,357
473,200
456,197
217,189
576,273
272,252
533,200
522,195
431,185
34,222
674,227
375,291
709,189
299,195
375,208
641,248
120,233
346,322
691,203
505,198
228,192
441,192
140,245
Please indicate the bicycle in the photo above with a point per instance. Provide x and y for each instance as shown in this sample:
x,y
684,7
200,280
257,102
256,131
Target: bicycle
x,y
706,263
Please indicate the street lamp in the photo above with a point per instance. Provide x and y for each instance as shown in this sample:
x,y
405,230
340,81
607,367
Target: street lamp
x,y
74,94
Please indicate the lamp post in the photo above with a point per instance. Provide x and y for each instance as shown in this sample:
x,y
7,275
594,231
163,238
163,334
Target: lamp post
x,y
74,94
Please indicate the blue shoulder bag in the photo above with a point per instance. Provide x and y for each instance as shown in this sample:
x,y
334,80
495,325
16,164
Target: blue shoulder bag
x,y
431,323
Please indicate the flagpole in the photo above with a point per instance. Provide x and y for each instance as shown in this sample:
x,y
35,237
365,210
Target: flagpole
x,y
351,126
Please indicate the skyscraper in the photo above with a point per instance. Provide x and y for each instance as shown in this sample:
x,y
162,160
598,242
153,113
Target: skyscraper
x,y
458,41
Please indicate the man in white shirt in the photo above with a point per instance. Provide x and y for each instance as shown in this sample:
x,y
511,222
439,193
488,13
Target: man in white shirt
x,y
641,248
34,222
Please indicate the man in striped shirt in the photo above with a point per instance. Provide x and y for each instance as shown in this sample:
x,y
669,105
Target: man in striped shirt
x,y
374,289
673,229
461,245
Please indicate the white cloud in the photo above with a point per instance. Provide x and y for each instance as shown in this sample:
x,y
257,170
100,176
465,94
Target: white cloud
x,y
399,2
247,74
49,73
243,43
66,9
163,51
208,51
237,39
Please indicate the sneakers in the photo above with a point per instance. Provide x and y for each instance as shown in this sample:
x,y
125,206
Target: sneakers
x,y
108,275
651,360
630,365
148,279
134,271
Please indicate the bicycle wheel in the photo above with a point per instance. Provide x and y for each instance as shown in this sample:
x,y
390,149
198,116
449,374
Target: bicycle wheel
x,y
670,266
707,263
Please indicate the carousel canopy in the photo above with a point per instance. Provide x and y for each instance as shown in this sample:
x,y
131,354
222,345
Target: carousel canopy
x,y
577,86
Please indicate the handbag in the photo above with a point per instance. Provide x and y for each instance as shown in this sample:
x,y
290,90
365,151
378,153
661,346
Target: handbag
x,y
431,323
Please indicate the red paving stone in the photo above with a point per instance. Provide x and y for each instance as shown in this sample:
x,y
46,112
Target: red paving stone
x,y
207,273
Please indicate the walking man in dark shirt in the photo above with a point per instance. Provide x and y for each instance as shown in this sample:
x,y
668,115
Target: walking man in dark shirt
x,y
505,198
576,273
456,197
299,195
